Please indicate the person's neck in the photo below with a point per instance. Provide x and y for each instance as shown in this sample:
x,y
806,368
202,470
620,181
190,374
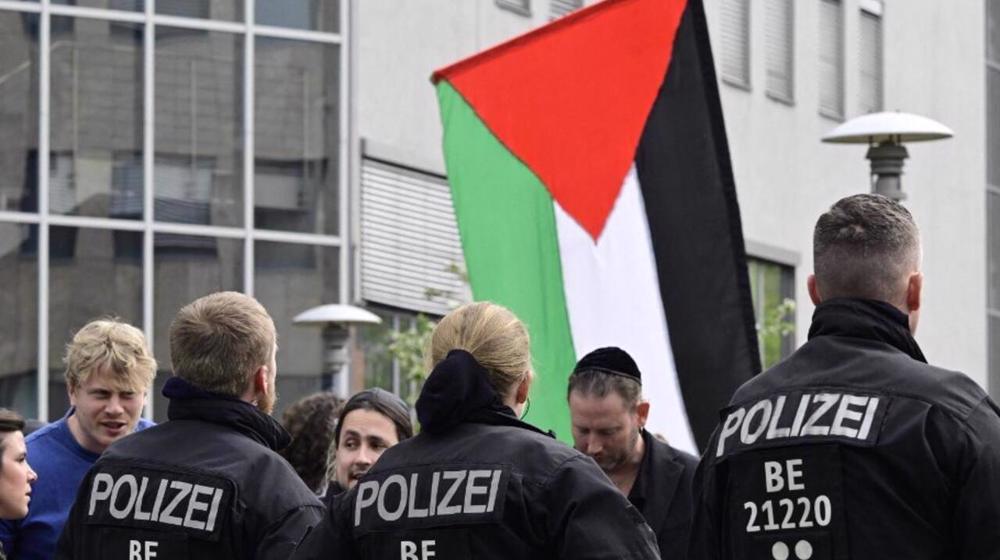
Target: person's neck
x,y
624,476
81,437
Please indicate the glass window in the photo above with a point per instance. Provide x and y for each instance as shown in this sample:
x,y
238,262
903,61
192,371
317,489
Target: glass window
x,y
93,273
993,248
297,155
186,267
870,63
198,168
993,30
19,112
290,278
993,125
559,8
315,15
19,318
228,10
772,287
780,23
383,367
127,5
734,59
95,166
522,7
831,59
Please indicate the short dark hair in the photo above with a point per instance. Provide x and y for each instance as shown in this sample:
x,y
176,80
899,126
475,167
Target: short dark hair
x,y
597,383
383,402
10,422
864,246
311,421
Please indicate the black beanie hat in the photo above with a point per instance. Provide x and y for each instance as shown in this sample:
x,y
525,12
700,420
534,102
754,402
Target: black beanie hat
x,y
611,360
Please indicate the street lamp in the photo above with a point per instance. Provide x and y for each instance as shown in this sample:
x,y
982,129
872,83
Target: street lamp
x,y
885,133
335,319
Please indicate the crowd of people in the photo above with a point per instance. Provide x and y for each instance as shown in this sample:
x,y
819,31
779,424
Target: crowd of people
x,y
853,447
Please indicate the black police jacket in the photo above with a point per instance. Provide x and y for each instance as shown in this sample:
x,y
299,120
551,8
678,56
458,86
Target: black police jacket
x,y
206,484
662,493
479,484
853,447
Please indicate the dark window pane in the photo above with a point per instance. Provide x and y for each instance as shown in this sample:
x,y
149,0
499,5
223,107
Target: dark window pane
x,y
18,111
289,279
95,166
93,273
296,129
772,288
228,10
315,15
187,267
993,126
993,30
199,127
19,318
127,5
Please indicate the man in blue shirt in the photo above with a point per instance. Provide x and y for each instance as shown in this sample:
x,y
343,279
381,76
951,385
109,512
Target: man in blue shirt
x,y
109,371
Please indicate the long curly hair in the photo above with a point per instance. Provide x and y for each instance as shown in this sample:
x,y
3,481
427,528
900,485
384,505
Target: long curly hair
x,y
311,421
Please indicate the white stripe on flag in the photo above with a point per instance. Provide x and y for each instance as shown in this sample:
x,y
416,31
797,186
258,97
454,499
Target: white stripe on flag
x,y
613,299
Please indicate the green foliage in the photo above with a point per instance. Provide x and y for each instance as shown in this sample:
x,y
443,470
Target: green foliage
x,y
778,322
407,347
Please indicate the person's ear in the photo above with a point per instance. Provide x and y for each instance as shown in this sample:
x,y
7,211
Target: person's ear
x,y
914,292
642,411
260,378
521,393
69,393
813,290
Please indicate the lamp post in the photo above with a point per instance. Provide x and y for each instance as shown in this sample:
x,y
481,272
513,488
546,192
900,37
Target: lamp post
x,y
335,319
885,133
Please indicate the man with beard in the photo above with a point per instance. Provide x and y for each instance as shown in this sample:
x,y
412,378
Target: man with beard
x,y
207,483
608,416
108,373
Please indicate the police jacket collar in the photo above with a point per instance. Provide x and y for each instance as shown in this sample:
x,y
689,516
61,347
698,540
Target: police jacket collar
x,y
458,391
188,402
867,319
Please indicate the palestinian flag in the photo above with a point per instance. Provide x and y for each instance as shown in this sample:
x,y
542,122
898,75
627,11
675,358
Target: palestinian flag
x,y
594,197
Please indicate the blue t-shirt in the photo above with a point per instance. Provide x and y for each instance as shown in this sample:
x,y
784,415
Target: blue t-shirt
x,y
61,464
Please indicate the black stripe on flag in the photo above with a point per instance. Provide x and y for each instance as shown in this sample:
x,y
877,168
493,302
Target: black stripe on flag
x,y
694,219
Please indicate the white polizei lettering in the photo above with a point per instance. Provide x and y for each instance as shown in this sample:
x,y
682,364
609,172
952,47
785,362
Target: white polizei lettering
x,y
213,512
729,428
139,514
427,550
800,414
367,494
166,515
866,425
126,479
100,490
764,407
472,490
773,482
773,431
494,484
435,480
844,412
383,512
413,511
161,491
811,428
408,550
794,469
194,505
443,506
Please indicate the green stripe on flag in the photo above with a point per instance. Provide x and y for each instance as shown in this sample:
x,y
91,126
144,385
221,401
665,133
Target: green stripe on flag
x,y
507,223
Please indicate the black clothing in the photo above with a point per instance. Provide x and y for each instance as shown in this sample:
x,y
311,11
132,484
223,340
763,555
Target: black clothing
x,y
662,493
206,484
480,484
853,447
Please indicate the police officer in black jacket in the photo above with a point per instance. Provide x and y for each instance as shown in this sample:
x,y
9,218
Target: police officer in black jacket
x,y
608,416
477,482
855,447
208,482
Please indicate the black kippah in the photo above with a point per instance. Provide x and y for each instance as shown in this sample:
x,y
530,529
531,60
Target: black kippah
x,y
611,360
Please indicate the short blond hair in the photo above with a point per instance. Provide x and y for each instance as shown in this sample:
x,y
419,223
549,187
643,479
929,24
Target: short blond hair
x,y
492,334
112,346
219,340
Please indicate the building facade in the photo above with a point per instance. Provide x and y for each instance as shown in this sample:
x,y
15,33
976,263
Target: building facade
x,y
157,151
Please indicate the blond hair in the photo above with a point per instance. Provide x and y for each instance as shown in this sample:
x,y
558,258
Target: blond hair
x,y
112,346
493,335
219,340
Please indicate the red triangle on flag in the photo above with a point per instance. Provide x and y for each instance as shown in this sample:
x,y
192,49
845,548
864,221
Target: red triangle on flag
x,y
570,99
